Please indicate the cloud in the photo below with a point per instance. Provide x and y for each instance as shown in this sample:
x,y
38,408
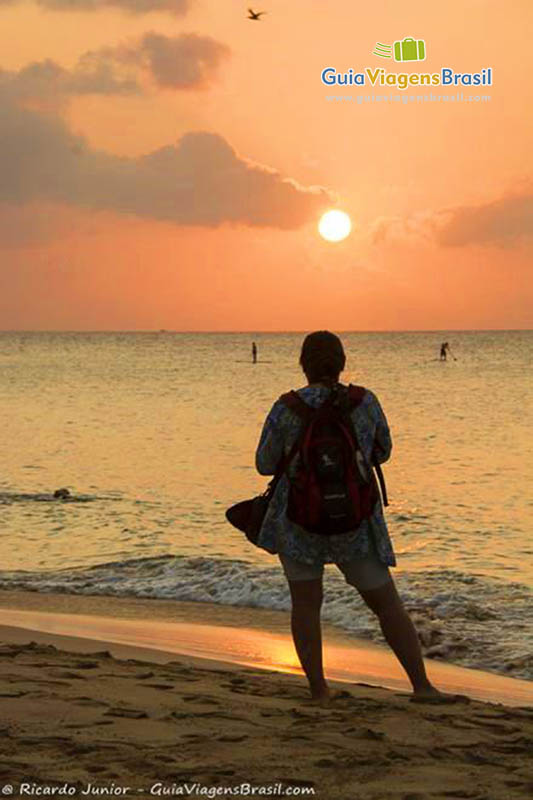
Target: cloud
x,y
188,61
502,223
416,226
46,85
175,7
200,180
184,62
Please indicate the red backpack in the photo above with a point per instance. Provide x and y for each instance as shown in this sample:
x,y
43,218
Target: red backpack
x,y
334,488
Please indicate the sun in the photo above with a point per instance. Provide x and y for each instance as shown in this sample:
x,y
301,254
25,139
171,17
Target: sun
x,y
334,225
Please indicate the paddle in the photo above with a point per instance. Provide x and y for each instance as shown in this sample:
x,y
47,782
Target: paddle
x,y
450,352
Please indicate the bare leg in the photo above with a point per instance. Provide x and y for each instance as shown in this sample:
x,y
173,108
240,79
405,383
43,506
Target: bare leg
x,y
400,634
307,635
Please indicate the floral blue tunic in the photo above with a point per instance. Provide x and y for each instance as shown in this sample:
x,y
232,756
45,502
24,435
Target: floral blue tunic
x,y
278,534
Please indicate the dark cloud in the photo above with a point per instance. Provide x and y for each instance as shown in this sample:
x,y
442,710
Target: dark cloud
x,y
200,180
188,61
183,62
417,226
503,223
47,85
176,7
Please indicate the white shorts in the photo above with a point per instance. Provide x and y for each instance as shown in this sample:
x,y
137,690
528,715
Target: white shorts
x,y
363,573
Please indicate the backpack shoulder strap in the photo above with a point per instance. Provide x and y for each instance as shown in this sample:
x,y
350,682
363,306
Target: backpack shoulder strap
x,y
355,395
293,401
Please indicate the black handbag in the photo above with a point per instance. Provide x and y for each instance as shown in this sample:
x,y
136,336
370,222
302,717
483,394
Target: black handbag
x,y
248,515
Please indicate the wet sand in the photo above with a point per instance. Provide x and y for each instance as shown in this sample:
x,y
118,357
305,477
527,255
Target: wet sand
x,y
249,637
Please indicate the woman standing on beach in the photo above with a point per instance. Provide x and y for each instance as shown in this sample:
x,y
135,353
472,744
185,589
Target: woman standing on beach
x,y
363,555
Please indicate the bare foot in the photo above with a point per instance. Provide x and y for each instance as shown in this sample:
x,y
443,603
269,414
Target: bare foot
x,y
432,695
326,696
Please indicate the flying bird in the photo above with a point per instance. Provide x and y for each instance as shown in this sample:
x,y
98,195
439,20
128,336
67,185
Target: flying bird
x,y
256,15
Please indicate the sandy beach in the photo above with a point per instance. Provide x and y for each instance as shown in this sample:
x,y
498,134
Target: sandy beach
x,y
93,718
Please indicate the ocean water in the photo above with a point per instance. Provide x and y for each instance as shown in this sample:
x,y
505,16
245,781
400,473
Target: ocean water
x,y
154,435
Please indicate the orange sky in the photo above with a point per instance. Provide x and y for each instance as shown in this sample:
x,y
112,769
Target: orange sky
x,y
103,228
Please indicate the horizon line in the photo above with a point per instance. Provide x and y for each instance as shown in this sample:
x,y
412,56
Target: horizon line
x,y
258,331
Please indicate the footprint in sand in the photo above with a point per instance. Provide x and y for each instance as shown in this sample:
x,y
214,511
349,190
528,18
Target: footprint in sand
x,y
364,733
525,786
65,673
198,698
88,701
183,672
500,727
368,733
44,740
301,718
160,685
80,725
232,738
240,689
397,756
523,744
210,672
236,685
178,715
441,752
129,713
79,749
212,775
325,762
206,715
291,737
477,758
43,682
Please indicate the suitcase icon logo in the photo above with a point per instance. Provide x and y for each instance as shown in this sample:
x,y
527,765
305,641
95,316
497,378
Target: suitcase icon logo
x,y
409,49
